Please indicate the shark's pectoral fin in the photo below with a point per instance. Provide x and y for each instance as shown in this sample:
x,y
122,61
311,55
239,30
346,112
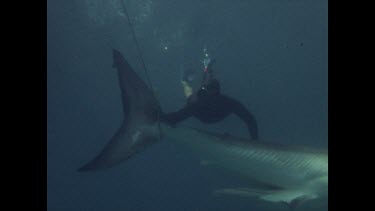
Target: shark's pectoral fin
x,y
246,192
291,197
293,204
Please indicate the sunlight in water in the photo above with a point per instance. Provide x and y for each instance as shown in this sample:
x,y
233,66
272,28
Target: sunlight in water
x,y
102,12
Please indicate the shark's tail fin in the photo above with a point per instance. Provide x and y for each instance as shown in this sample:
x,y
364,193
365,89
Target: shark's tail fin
x,y
139,128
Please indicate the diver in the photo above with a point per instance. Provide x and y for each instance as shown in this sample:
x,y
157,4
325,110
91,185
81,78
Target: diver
x,y
208,104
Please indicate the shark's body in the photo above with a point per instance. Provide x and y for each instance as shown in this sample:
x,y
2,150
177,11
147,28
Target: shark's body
x,y
287,174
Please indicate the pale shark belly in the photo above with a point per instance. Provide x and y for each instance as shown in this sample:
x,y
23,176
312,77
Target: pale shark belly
x,y
285,168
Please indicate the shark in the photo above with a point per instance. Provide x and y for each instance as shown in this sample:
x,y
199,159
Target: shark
x,y
278,173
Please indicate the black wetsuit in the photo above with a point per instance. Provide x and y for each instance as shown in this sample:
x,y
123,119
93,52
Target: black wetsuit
x,y
212,107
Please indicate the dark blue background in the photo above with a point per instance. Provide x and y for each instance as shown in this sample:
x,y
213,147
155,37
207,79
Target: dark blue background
x,y
271,54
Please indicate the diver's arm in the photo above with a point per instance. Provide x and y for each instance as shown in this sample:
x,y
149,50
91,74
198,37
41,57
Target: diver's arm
x,y
247,117
175,117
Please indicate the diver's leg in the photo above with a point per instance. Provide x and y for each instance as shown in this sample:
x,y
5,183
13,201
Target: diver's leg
x,y
247,117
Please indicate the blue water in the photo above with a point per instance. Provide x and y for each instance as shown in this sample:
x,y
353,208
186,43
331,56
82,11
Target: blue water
x,y
271,55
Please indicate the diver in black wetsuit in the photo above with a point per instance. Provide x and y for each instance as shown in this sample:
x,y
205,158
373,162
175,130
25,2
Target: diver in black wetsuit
x,y
210,106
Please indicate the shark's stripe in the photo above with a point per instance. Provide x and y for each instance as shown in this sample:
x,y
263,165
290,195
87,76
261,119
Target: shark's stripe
x,y
284,166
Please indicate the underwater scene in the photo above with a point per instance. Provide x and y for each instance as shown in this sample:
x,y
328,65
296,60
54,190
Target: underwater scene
x,y
171,105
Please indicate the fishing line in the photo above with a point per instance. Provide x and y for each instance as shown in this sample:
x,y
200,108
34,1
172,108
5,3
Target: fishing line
x,y
136,43
142,60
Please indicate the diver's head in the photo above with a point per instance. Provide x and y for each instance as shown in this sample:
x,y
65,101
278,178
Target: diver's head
x,y
210,88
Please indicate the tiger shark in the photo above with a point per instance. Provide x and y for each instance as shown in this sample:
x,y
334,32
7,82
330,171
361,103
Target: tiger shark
x,y
281,174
